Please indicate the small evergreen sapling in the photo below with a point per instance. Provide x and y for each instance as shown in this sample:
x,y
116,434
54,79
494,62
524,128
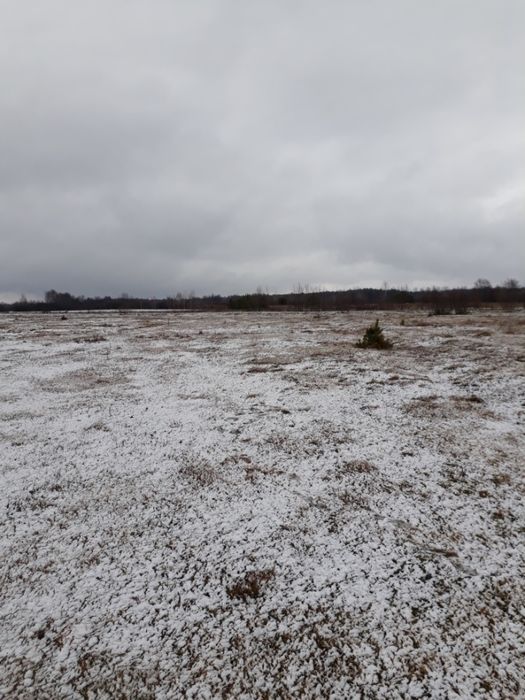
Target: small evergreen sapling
x,y
374,338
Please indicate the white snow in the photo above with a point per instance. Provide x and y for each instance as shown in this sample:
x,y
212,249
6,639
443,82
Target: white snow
x,y
248,506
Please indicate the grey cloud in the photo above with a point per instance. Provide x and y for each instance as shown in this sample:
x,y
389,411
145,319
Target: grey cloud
x,y
217,146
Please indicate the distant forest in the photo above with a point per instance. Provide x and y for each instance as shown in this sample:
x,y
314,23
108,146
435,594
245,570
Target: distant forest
x,y
436,300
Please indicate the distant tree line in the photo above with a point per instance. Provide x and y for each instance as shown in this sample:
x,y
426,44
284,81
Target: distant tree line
x,y
436,300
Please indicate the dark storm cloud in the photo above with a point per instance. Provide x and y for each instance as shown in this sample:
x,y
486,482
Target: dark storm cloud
x,y
218,146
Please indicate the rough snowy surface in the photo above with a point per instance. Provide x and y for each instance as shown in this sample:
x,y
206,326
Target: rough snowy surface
x,y
248,506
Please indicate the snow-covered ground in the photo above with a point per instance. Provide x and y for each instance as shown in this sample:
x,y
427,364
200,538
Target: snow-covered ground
x,y
248,506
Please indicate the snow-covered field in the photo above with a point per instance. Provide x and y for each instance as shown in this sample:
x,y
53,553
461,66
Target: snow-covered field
x,y
248,506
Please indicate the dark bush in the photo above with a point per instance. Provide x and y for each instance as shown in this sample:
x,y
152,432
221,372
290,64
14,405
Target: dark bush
x,y
374,338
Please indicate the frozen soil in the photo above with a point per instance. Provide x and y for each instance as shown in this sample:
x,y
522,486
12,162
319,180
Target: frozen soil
x,y
249,506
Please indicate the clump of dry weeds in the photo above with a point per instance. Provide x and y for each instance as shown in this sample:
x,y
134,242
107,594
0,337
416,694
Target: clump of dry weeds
x,y
251,585
358,466
199,471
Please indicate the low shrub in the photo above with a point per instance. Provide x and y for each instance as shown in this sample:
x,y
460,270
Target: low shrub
x,y
374,338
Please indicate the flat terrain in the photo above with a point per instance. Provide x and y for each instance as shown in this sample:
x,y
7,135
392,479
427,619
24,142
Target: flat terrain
x,y
248,506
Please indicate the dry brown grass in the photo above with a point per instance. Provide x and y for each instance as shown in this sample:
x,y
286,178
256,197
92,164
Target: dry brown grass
x,y
99,425
91,339
251,585
198,471
80,380
501,480
357,466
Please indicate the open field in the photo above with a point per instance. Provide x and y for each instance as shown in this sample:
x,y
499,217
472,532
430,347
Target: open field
x,y
248,506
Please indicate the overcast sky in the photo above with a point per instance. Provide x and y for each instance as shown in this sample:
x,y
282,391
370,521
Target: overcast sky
x,y
156,146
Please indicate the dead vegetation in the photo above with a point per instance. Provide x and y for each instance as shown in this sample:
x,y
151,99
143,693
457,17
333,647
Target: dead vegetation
x,y
446,408
357,466
198,471
100,426
91,339
85,379
250,585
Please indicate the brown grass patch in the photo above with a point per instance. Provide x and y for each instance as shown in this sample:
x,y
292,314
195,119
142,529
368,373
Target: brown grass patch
x,y
99,425
251,585
501,480
258,370
357,466
467,399
80,380
91,339
199,471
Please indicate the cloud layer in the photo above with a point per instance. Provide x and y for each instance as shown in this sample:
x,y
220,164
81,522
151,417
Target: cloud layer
x,y
152,147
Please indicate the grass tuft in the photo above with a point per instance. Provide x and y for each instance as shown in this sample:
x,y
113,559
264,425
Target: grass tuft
x,y
250,585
